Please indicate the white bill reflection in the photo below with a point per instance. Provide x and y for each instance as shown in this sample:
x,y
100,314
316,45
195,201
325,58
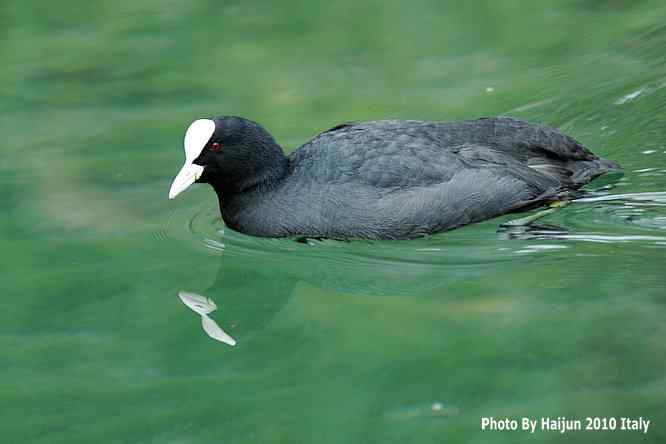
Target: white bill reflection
x,y
203,306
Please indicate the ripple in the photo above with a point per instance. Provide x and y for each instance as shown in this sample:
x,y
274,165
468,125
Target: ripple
x,y
600,218
541,247
161,235
658,197
409,412
644,211
461,246
629,97
645,90
607,239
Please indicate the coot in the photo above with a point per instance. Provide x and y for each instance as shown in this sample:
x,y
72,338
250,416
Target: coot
x,y
389,179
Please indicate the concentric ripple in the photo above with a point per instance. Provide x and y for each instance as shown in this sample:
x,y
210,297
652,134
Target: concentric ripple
x,y
598,217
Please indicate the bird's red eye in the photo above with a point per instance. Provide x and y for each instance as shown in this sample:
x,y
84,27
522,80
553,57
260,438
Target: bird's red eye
x,y
215,146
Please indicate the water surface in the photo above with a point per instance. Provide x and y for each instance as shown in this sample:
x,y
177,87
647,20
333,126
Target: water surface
x,y
408,341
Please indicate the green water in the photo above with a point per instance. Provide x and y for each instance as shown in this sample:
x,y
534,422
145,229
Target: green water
x,y
361,342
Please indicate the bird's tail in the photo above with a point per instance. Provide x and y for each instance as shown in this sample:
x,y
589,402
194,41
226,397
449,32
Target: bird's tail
x,y
588,170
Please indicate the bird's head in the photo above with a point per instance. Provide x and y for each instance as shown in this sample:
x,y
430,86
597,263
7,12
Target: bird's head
x,y
230,153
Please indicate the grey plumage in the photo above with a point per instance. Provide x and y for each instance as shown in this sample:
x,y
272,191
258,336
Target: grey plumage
x,y
404,179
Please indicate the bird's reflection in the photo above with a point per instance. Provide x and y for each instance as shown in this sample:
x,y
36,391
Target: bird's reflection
x,y
204,306
249,295
253,286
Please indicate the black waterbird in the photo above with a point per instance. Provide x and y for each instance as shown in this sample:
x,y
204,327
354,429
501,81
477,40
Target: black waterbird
x,y
390,179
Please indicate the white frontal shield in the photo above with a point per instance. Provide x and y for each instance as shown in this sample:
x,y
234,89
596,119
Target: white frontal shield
x,y
196,137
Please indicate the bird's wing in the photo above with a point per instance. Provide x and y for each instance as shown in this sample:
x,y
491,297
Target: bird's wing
x,y
402,154
485,184
381,154
515,137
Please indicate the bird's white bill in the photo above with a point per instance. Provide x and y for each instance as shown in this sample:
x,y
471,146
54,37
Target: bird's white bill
x,y
187,175
196,137
214,331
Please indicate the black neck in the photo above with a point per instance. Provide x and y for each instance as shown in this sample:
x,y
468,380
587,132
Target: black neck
x,y
261,176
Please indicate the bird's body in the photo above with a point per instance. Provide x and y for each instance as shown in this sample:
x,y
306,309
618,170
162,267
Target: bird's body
x,y
404,179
